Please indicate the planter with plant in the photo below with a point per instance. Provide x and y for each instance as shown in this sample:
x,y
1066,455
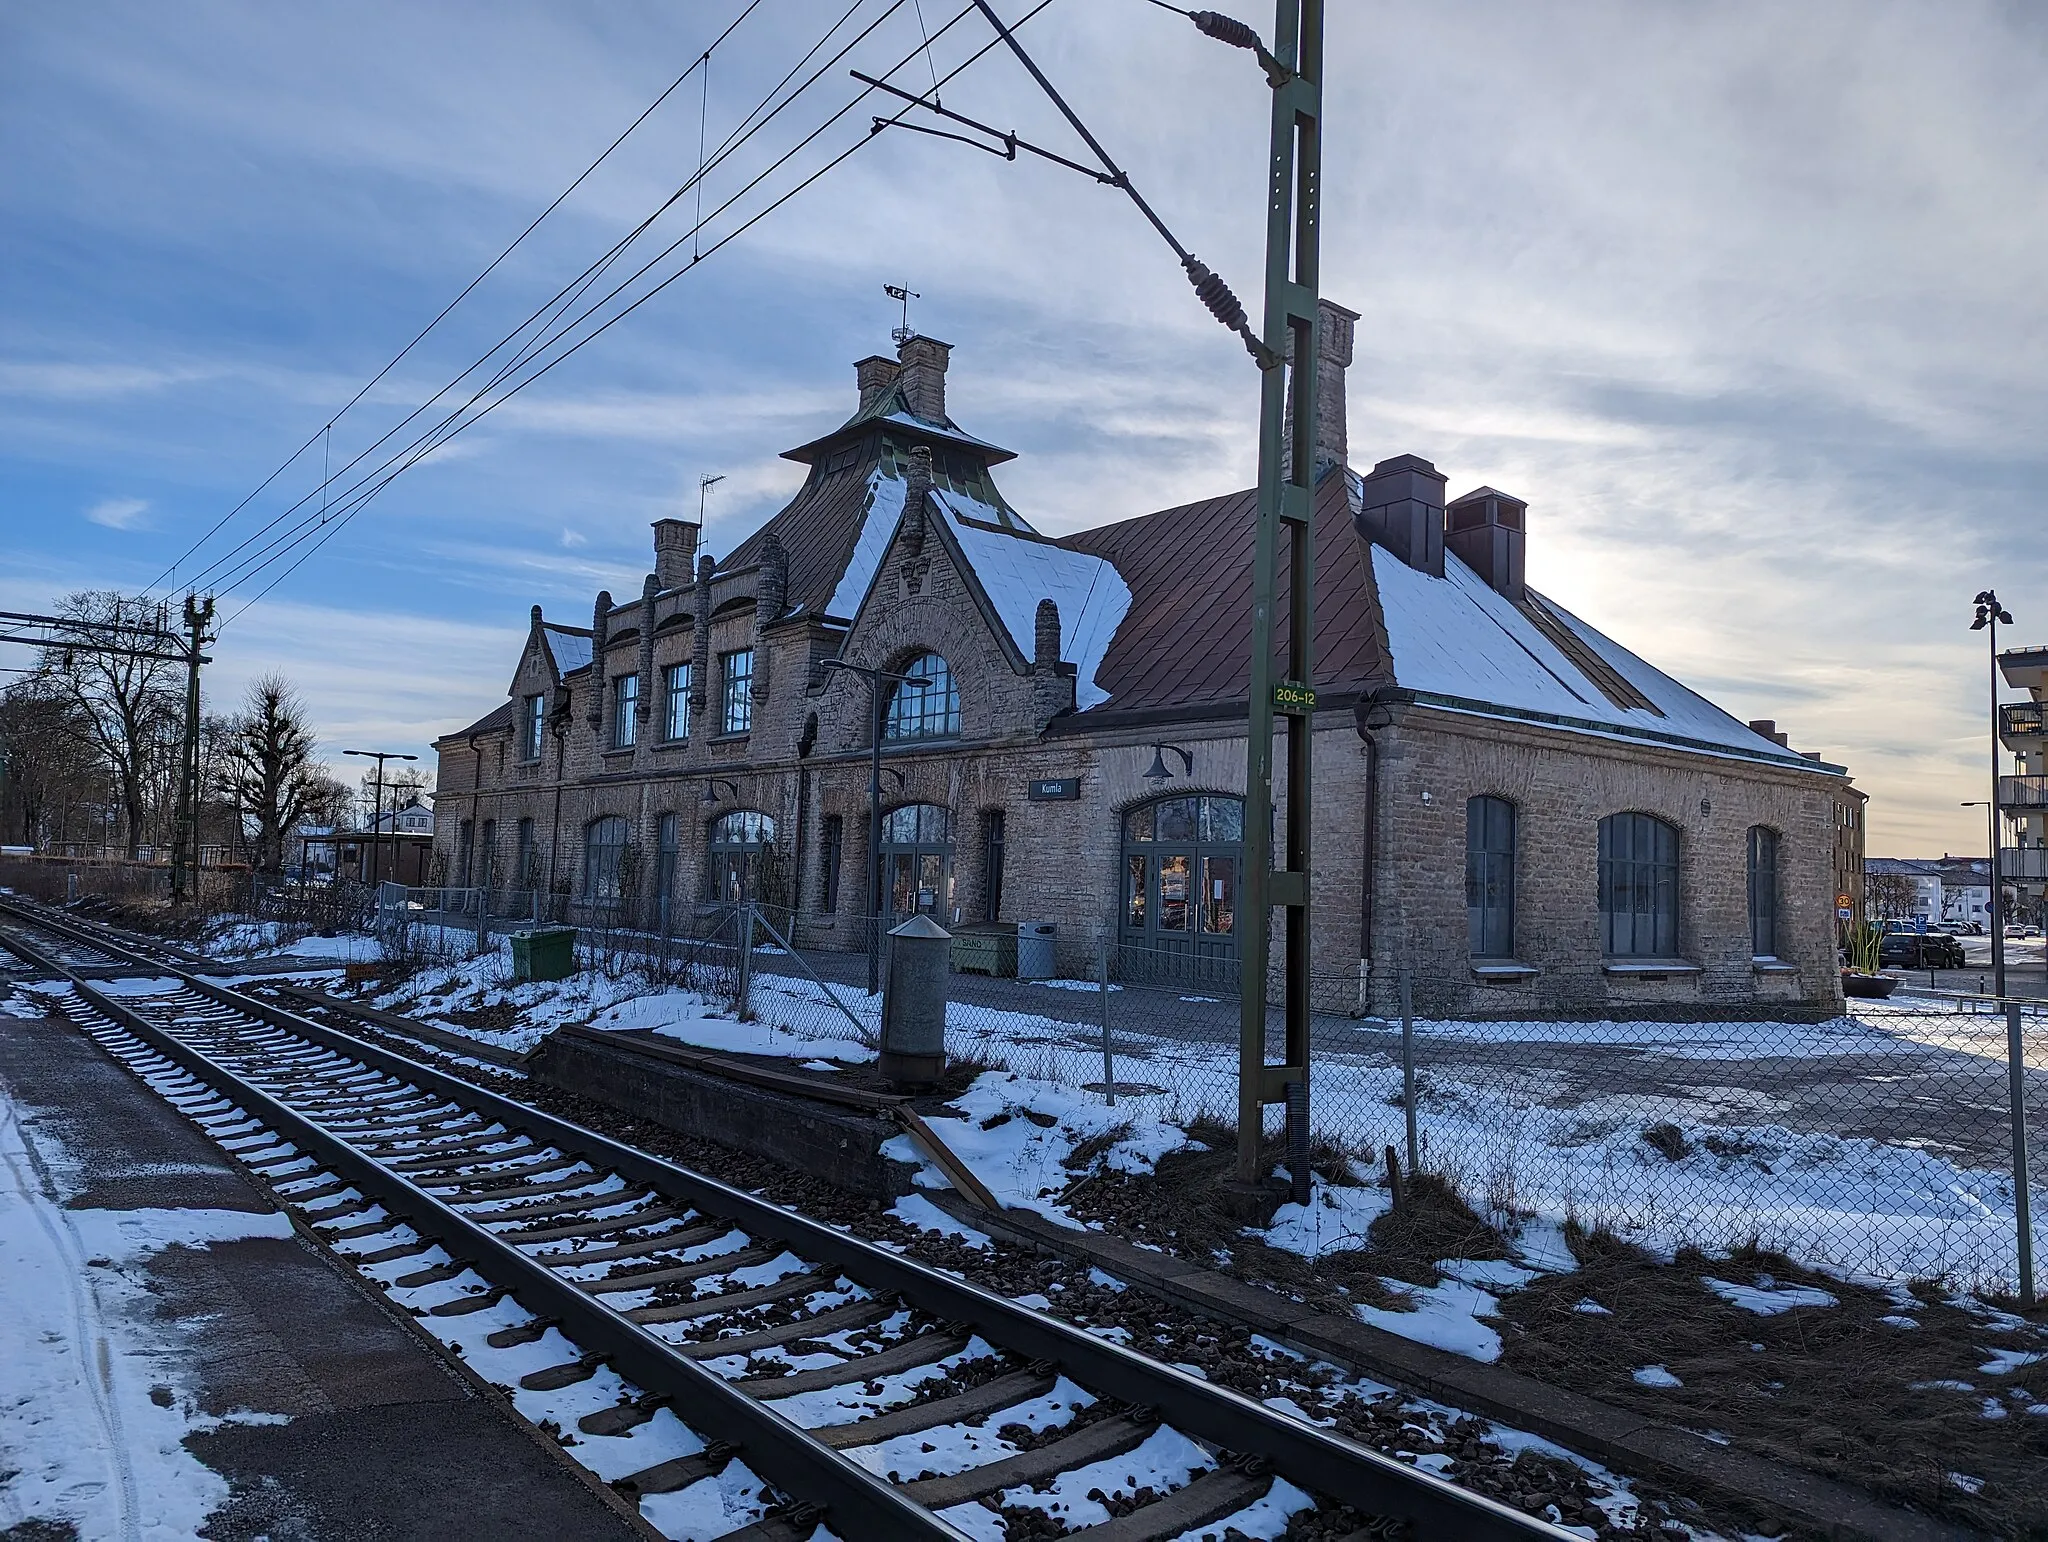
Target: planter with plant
x,y
1862,977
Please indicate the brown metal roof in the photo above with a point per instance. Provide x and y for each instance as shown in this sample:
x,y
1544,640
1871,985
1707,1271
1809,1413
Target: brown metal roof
x,y
498,717
1186,640
817,530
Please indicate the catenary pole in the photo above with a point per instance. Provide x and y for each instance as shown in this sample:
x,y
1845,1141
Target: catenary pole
x,y
877,679
1286,506
185,841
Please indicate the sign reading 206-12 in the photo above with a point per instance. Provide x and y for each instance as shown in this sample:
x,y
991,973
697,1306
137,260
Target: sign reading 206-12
x,y
1293,698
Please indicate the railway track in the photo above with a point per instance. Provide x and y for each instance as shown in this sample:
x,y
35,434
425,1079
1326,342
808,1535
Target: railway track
x,y
705,1327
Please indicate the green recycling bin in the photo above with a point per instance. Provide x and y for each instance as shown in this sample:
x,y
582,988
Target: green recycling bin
x,y
545,953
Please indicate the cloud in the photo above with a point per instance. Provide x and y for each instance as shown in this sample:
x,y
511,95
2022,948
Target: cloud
x,y
118,513
571,539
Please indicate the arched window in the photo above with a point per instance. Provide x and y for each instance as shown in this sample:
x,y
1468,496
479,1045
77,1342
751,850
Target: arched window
x,y
739,848
927,711
917,861
604,855
1638,887
1763,891
1490,877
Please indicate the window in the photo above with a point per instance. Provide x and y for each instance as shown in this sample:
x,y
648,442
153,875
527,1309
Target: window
x,y
1763,891
667,840
739,850
533,722
604,859
834,855
917,861
927,711
527,874
675,696
992,865
625,711
487,856
1490,877
465,838
1638,887
736,692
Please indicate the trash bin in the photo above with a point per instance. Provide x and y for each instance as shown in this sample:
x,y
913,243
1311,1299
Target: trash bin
x,y
544,953
1035,941
985,947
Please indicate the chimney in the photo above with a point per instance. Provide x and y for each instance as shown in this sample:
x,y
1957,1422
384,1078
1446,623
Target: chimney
x,y
700,641
917,486
874,375
771,589
1052,683
643,707
600,624
675,552
924,376
1490,531
1336,331
1403,510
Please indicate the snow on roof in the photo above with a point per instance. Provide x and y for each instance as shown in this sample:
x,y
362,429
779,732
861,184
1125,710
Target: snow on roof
x,y
878,524
1455,636
571,649
1017,571
963,506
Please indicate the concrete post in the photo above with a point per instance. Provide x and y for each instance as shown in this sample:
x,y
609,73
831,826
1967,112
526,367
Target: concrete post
x,y
914,1004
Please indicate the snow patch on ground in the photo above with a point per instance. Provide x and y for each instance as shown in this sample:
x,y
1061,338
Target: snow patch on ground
x,y
1767,1298
1655,1376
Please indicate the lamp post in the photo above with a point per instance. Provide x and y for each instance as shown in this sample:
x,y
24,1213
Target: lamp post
x,y
1989,614
377,801
876,700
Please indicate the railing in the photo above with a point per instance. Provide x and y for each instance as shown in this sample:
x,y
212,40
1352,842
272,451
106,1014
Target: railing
x,y
2019,719
2023,863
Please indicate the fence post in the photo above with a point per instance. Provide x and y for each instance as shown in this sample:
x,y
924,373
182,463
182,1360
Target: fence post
x,y
746,919
483,913
2016,1081
1408,1067
1108,1061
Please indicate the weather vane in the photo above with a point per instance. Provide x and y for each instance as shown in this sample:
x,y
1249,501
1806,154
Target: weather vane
x,y
903,333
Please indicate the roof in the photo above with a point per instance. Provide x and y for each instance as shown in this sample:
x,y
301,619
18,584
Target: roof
x,y
1186,639
891,406
820,529
498,717
571,646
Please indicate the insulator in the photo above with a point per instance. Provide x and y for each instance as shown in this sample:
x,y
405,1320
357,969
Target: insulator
x,y
1225,29
1214,293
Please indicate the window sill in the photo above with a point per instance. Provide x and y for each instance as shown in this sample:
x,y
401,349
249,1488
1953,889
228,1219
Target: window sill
x,y
670,744
1772,966
618,750
732,737
1647,968
1503,971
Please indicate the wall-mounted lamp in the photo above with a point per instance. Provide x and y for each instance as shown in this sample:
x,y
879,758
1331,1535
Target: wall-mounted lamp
x,y
895,772
711,790
1157,771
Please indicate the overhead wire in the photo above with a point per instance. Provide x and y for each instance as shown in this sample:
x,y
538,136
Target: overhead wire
x,y
441,315
433,440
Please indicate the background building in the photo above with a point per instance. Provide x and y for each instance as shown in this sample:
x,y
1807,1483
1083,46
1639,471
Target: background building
x,y
2023,796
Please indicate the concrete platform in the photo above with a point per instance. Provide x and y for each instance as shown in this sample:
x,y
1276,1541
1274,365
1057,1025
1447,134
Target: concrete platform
x,y
361,1427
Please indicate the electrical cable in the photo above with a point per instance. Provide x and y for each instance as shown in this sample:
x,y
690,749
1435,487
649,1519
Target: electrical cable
x,y
442,314
427,448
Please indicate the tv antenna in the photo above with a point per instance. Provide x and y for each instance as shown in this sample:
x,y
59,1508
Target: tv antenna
x,y
903,333
704,485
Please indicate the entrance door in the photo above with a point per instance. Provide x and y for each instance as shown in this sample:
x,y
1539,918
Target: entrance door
x,y
1181,861
917,863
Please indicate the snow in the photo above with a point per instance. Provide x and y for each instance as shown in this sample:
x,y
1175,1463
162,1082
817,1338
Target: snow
x,y
1166,1460
2004,1362
878,525
1444,1316
1335,1219
953,1448
926,1216
572,649
1767,1298
1593,1308
1656,1376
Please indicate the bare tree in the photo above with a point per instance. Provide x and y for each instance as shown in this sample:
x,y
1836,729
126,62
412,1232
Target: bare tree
x,y
46,760
128,708
271,769
1888,896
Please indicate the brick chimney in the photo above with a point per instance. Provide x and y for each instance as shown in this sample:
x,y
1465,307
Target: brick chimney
x,y
924,376
1768,728
600,628
1052,683
675,552
1490,531
874,375
1336,331
1403,510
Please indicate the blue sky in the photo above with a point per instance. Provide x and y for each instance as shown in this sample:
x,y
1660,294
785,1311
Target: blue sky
x,y
1744,299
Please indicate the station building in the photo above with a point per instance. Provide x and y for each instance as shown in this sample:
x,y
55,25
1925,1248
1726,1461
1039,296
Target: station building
x,y
1511,806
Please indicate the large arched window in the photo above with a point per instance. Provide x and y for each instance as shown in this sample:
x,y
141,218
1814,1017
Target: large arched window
x,y
1181,859
917,861
739,850
604,856
1490,877
1763,891
1638,887
927,711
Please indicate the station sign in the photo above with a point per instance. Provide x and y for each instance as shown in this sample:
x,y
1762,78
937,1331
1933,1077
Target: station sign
x,y
1054,789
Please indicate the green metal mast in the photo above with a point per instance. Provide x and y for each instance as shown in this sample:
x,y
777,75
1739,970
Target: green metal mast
x,y
1286,500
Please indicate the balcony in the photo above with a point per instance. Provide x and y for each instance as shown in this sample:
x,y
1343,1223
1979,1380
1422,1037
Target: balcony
x,y
2023,864
2025,669
2019,720
2023,792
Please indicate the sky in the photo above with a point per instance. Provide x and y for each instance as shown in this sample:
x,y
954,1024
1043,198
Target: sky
x,y
1744,299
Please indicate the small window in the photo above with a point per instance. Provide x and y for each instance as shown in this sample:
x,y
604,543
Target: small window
x,y
992,865
533,723
675,695
930,710
833,855
1638,887
1490,877
736,692
625,711
1763,891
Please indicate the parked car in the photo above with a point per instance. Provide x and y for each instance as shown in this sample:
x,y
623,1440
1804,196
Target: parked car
x,y
1920,950
2016,930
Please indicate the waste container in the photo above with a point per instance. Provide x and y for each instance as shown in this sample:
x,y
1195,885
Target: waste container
x,y
544,953
985,947
1035,941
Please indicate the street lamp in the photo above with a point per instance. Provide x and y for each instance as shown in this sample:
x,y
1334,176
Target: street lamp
x,y
377,801
1989,614
876,700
